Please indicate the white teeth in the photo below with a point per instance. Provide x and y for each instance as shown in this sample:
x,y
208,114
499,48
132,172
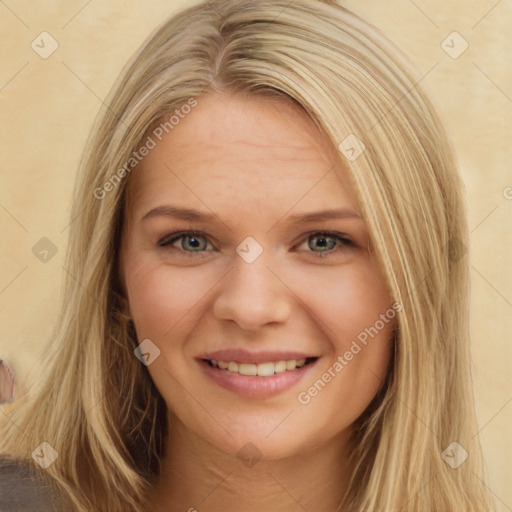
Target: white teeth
x,y
265,369
262,369
246,369
290,365
280,367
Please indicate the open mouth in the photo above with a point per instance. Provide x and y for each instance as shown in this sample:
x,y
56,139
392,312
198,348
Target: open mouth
x,y
266,369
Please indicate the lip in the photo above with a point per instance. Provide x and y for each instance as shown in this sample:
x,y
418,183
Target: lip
x,y
253,386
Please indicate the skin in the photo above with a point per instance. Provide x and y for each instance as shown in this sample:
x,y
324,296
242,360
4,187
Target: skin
x,y
253,162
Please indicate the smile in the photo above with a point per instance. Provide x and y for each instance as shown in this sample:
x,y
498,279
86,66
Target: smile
x,y
260,375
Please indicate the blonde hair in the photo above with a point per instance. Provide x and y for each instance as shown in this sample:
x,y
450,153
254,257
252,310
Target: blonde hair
x,y
98,407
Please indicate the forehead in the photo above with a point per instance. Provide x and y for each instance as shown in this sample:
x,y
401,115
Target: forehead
x,y
253,147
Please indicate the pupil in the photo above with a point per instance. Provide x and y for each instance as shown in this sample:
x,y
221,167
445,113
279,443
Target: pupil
x,y
322,242
193,242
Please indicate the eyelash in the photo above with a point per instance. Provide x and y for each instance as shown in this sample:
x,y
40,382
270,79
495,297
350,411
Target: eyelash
x,y
342,240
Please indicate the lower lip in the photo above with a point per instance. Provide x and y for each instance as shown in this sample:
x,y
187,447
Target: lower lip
x,y
254,386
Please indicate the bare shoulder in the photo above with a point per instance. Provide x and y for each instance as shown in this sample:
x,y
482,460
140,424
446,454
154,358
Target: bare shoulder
x,y
21,490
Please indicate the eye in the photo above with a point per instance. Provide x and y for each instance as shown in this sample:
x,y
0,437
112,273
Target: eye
x,y
189,241
321,243
326,243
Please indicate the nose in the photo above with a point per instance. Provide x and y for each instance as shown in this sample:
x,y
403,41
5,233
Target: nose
x,y
252,296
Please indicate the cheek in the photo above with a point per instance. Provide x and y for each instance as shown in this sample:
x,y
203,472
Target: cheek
x,y
160,297
346,301
354,310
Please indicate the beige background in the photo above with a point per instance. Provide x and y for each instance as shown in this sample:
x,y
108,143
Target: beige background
x,y
49,104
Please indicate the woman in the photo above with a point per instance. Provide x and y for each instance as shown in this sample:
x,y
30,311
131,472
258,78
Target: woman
x,y
269,240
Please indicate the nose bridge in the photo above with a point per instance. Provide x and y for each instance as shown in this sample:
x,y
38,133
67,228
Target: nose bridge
x,y
252,295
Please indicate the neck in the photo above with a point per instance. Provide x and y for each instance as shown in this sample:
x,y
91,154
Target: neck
x,y
197,476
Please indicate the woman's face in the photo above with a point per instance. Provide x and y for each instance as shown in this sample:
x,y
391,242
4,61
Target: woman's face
x,y
244,248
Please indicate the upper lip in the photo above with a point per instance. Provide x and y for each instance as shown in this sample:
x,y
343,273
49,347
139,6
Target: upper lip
x,y
245,356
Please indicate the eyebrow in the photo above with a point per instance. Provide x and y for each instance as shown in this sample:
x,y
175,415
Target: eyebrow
x,y
179,213
189,214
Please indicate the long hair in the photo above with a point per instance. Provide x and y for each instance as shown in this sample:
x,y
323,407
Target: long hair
x,y
97,405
